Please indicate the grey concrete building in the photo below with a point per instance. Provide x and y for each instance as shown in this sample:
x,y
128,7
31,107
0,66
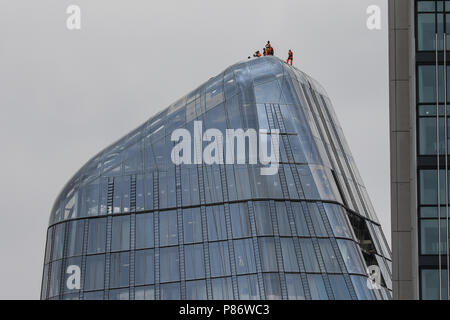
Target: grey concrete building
x,y
402,144
418,131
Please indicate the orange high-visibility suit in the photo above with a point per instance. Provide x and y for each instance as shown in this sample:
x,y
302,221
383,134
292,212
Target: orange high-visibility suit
x,y
290,57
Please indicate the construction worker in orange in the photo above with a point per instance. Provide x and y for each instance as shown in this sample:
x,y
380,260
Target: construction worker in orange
x,y
290,57
269,49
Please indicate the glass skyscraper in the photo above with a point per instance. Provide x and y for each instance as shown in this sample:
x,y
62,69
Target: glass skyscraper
x,y
133,225
419,74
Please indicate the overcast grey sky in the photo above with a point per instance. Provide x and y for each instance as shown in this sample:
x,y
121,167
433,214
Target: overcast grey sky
x,y
65,95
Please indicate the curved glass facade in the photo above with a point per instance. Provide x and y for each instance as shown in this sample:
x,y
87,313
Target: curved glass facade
x,y
133,225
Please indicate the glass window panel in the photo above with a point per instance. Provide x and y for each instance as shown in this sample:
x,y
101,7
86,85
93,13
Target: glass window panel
x,y
382,240
163,176
317,221
300,221
384,271
248,287
262,117
194,262
121,199
272,286
168,228
245,256
427,136
428,187
220,259
140,194
240,222
75,238
427,82
293,194
144,293
289,257
144,264
95,272
171,189
222,289
283,221
104,196
265,186
234,112
294,287
317,287
290,118
120,270
429,237
169,264
351,257
132,158
426,6
310,187
339,287
170,291
268,254
144,231
243,189
148,191
58,241
338,220
216,223
430,110
55,278
44,288
120,233
263,219
48,245
71,205
309,256
193,187
299,146
268,92
431,212
196,290
90,202
230,86
213,185
71,296
231,183
430,284
192,224
97,235
426,31
329,257
361,288
95,295
119,294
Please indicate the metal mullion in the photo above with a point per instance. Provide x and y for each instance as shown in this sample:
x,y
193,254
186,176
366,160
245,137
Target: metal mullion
x,y
446,155
438,160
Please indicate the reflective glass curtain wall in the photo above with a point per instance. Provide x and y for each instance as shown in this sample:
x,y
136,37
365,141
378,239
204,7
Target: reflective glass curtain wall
x,y
432,69
139,227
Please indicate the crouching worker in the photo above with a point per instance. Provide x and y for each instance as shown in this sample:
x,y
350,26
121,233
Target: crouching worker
x,y
257,54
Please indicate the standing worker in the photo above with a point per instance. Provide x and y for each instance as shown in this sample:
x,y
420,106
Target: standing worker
x,y
290,57
268,50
